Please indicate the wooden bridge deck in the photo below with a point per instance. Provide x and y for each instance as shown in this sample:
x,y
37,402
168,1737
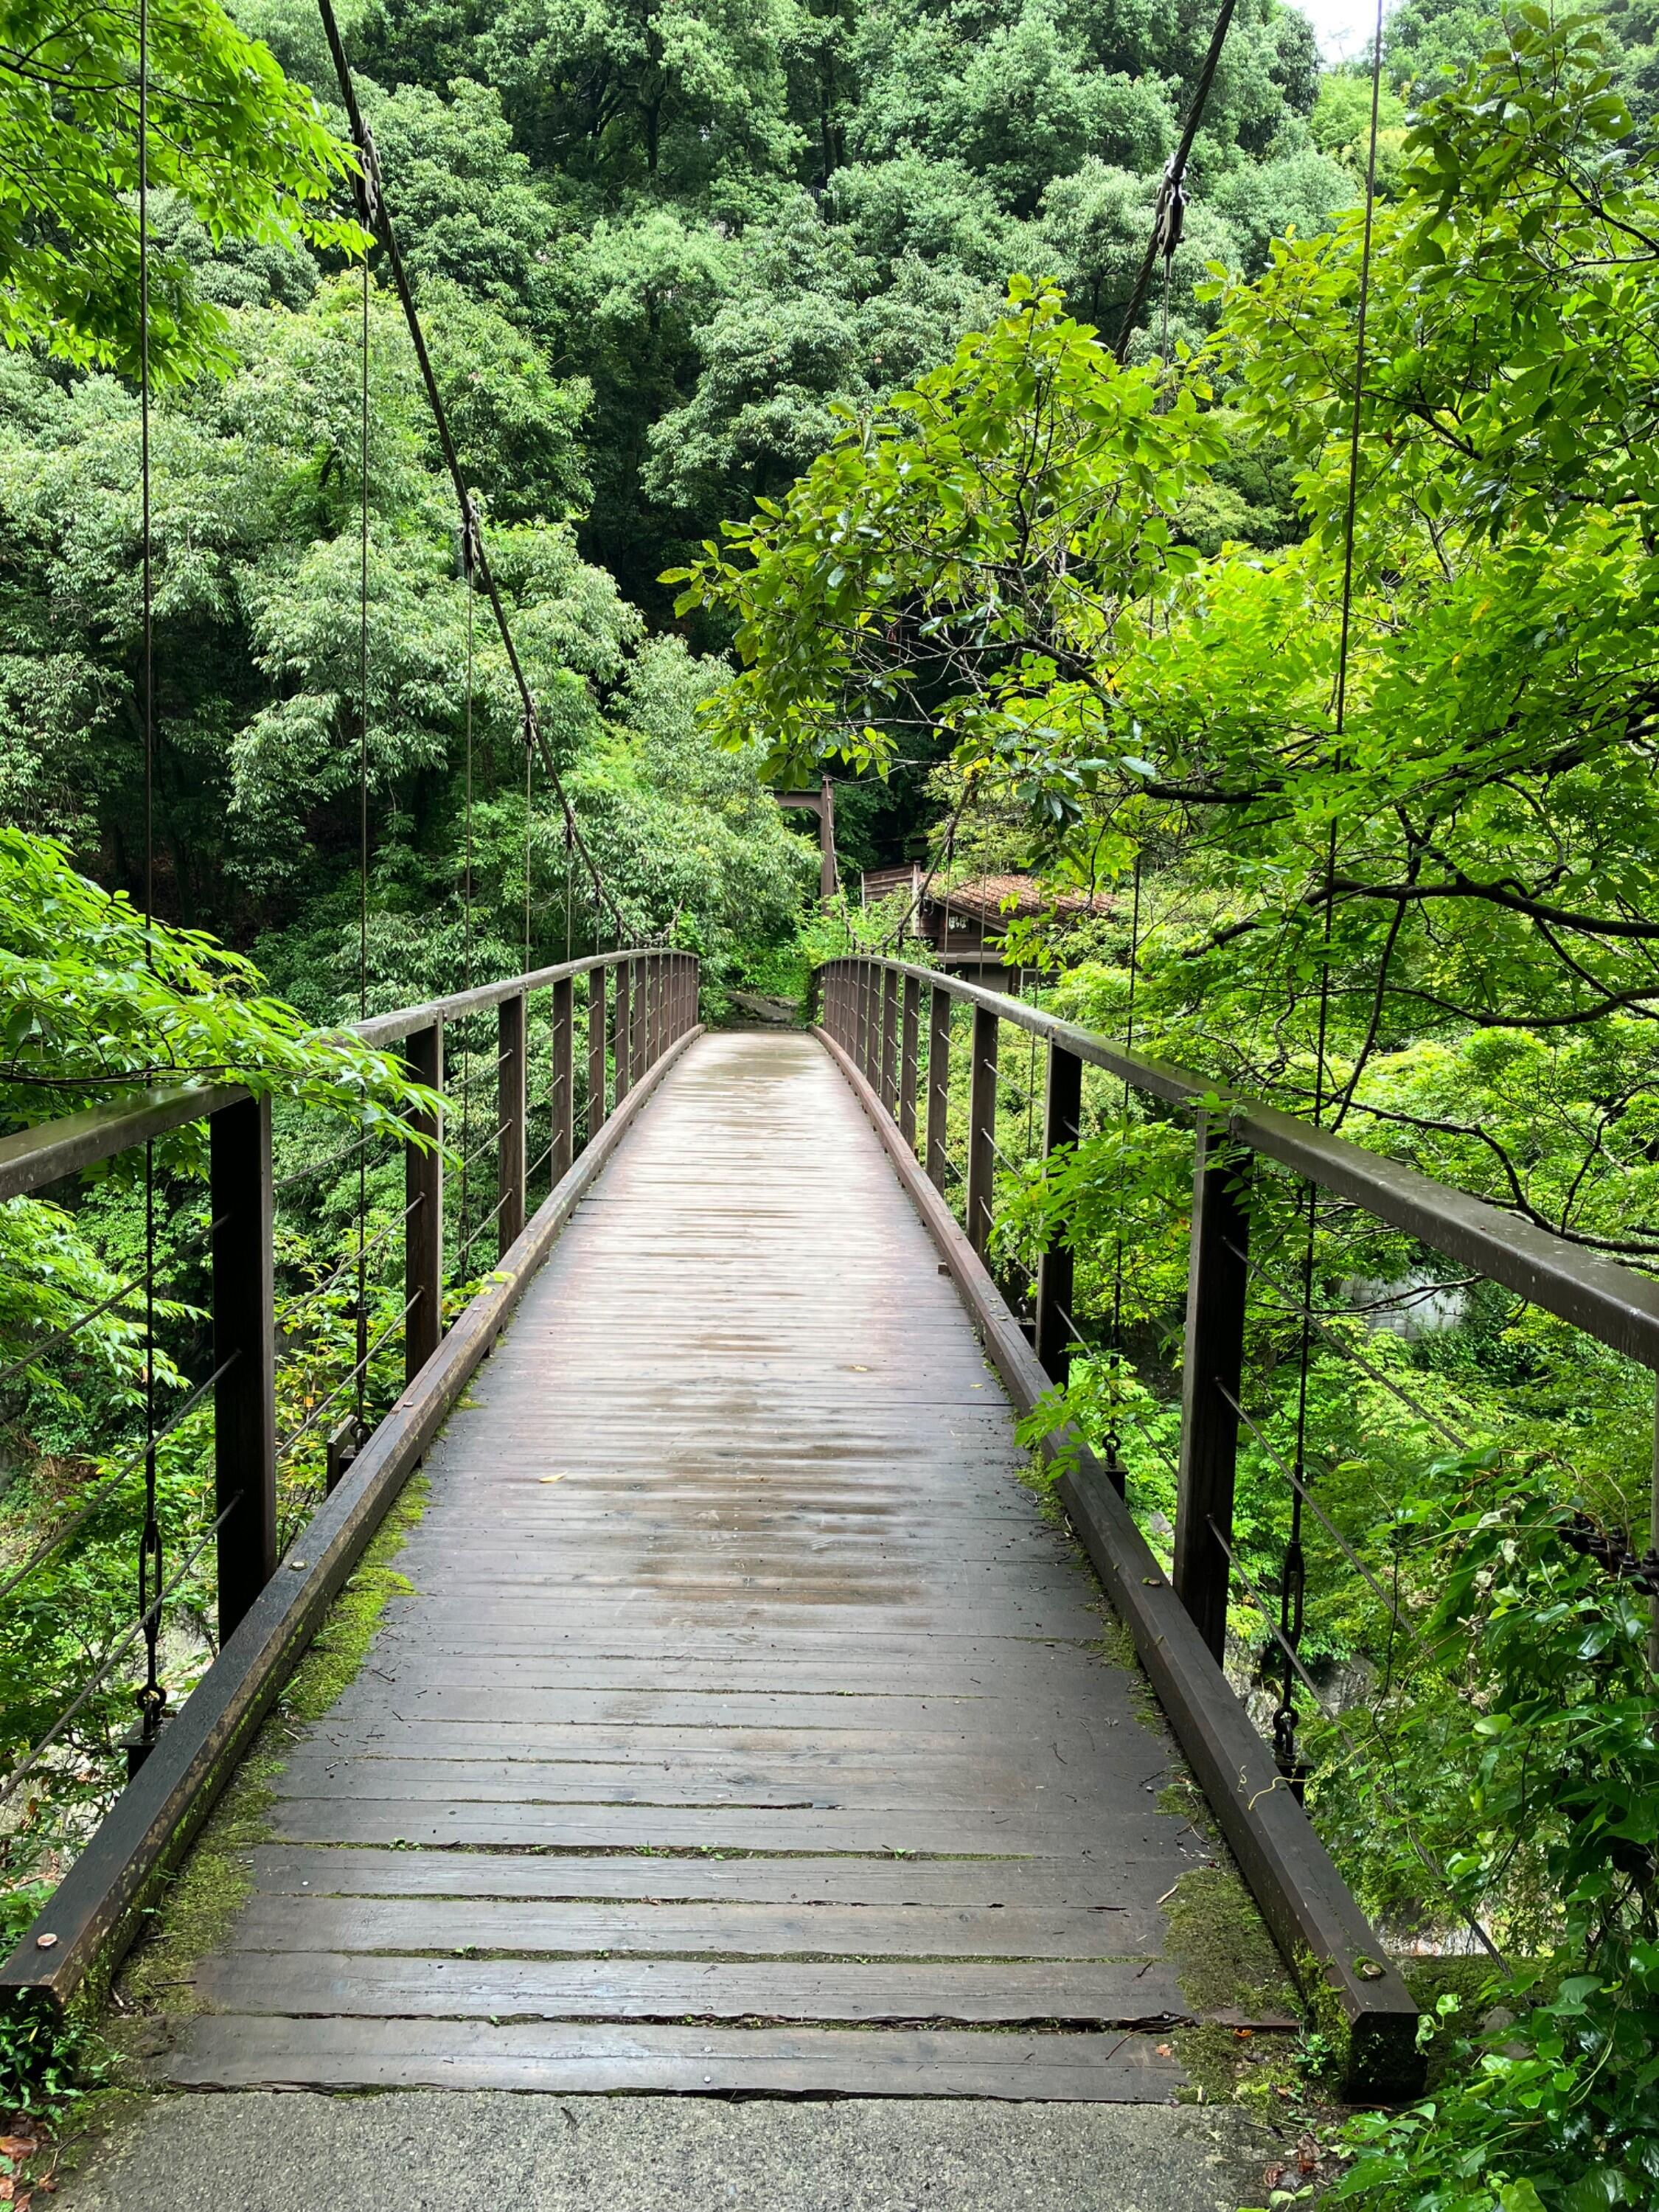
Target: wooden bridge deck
x,y
743,1730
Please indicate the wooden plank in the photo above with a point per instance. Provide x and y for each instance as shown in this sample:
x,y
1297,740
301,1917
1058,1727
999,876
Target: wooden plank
x,y
271,2053
1049,1886
1130,1993
365,1819
973,1785
943,1755
532,1928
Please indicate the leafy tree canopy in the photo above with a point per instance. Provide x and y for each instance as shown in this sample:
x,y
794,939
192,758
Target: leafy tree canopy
x,y
249,153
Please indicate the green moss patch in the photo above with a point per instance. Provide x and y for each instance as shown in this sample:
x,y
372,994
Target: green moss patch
x,y
155,1989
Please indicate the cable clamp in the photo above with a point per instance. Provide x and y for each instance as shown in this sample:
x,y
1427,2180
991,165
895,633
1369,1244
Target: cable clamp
x,y
472,536
366,184
1170,219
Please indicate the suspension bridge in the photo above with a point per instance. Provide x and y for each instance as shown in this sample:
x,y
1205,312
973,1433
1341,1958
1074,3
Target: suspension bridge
x,y
745,1726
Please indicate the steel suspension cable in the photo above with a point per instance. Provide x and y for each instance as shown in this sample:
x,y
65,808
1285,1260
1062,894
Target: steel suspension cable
x,y
466,879
1171,210
378,221
361,1329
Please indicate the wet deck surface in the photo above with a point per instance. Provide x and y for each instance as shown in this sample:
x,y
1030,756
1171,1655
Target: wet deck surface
x,y
743,1730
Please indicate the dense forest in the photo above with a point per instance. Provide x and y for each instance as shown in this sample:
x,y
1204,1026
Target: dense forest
x,y
780,342
656,250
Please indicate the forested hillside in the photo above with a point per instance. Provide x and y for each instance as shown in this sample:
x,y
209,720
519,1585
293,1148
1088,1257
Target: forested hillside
x,y
656,248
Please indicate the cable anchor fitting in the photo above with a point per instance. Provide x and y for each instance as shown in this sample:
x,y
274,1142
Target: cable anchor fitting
x,y
1169,218
365,184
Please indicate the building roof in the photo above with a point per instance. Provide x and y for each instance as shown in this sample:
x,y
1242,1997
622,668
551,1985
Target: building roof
x,y
1001,898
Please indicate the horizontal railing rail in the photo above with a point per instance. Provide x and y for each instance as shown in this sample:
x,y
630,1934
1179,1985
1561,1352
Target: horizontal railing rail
x,y
459,1278
31,1157
1609,1301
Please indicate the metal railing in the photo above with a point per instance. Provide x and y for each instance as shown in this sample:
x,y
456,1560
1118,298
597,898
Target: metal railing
x,y
260,1332
980,1091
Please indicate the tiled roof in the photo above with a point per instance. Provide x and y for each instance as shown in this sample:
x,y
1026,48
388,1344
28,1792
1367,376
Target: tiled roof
x,y
1001,898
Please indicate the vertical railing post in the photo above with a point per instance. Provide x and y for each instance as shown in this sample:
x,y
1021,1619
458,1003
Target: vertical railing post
x,y
638,986
509,1117
938,1084
623,1026
595,1052
889,1039
423,1196
244,1352
562,1135
1062,1110
1218,1276
871,1022
981,1128
909,1037
654,1044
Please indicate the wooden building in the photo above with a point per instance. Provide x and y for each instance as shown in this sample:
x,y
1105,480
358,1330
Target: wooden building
x,y
964,926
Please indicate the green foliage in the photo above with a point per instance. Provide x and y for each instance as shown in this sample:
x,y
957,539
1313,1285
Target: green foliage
x,y
96,1003
1029,442
250,154
1552,2104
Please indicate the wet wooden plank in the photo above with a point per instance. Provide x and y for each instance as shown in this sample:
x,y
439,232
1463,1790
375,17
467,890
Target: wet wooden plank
x,y
667,1715
358,1820
636,1877
527,1928
331,1984
270,2052
977,1787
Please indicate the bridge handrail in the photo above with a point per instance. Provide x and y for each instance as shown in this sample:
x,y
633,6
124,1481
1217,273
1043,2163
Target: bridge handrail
x,y
880,1017
1607,1300
641,1010
47,1150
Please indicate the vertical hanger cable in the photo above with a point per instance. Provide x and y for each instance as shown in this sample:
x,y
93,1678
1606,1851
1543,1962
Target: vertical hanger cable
x,y
152,1697
362,1347
1293,1581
